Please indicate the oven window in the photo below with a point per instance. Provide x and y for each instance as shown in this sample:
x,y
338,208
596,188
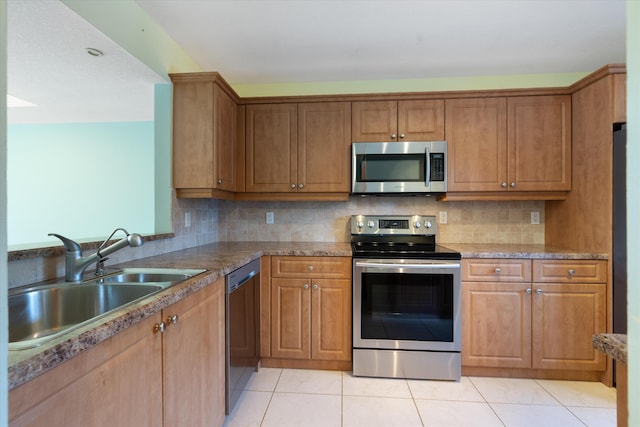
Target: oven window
x,y
390,167
403,306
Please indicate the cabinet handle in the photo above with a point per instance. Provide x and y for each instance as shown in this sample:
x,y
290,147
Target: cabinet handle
x,y
504,185
528,291
571,272
315,286
497,270
513,185
172,320
402,136
306,286
292,186
310,267
159,327
539,291
300,185
219,181
393,136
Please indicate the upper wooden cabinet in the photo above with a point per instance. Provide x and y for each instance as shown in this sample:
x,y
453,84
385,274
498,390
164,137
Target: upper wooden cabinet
x,y
514,144
420,120
204,136
298,148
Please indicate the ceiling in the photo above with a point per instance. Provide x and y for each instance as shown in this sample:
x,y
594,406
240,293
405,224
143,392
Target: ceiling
x,y
287,41
275,41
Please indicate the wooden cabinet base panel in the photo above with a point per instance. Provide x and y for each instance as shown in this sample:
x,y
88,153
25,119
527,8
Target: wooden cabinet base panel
x,y
540,374
203,193
328,365
294,197
502,195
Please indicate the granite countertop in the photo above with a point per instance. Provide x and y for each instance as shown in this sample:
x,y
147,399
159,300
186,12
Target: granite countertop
x,y
613,345
508,250
218,259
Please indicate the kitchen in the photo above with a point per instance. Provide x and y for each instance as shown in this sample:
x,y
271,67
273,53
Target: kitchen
x,y
320,214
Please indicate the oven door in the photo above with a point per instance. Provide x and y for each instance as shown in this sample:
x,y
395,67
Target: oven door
x,y
407,304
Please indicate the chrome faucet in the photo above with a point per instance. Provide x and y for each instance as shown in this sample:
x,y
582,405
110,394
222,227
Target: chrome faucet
x,y
76,264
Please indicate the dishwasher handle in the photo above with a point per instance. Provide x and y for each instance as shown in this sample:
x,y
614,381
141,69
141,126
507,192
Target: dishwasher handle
x,y
242,275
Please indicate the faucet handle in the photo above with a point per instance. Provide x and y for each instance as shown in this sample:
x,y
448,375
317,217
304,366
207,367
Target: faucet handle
x,y
69,244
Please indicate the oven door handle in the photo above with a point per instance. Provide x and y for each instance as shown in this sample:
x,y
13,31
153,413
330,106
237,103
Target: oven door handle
x,y
403,265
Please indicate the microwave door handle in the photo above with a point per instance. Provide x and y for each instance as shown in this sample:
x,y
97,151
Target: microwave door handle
x,y
428,168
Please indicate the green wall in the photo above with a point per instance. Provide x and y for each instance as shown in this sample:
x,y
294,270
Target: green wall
x,y
89,178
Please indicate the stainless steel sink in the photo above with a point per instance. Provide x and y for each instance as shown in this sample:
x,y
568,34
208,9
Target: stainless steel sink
x,y
38,314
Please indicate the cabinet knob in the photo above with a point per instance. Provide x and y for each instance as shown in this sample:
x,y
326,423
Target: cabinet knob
x,y
528,291
292,186
497,270
306,286
504,185
300,185
393,136
315,286
310,267
513,185
539,291
172,320
159,327
571,272
402,136
219,180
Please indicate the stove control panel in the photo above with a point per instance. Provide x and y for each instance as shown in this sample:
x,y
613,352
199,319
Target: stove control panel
x,y
394,224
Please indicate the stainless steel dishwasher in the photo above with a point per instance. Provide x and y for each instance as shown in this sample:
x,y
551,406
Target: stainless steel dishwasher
x,y
242,329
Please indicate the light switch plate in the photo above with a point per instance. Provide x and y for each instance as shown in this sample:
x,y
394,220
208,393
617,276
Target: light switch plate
x,y
187,219
270,218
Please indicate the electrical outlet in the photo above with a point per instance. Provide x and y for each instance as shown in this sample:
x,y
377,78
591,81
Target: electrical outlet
x,y
270,218
187,219
443,217
535,217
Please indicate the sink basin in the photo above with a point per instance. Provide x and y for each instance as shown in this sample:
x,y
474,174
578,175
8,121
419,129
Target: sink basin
x,y
38,314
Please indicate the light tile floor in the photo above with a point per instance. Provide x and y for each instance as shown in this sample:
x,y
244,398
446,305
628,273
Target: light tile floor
x,y
292,397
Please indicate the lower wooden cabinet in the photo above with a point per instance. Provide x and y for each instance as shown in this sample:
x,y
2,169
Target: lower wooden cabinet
x,y
138,377
538,324
311,308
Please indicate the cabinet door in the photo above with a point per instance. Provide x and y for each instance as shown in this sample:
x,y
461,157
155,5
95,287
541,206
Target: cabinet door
x,y
496,325
476,131
271,148
193,158
116,383
565,317
324,147
421,120
290,318
331,319
194,357
224,140
539,143
374,121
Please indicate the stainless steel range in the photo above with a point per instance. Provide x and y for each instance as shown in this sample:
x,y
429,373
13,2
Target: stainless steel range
x,y
406,299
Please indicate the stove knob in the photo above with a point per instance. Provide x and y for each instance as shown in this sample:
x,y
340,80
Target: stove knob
x,y
360,224
428,224
371,224
417,224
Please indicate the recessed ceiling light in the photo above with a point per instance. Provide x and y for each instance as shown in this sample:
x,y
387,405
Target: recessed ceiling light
x,y
13,102
94,52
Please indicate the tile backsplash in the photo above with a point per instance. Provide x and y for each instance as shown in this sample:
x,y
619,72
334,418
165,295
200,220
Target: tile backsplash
x,y
468,222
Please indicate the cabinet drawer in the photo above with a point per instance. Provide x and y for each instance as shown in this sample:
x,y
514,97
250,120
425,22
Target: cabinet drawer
x,y
567,271
496,270
324,267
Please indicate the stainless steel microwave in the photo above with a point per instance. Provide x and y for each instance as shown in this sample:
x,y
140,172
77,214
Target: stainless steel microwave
x,y
408,167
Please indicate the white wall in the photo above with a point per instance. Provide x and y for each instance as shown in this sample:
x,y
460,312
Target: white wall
x,y
4,338
633,206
